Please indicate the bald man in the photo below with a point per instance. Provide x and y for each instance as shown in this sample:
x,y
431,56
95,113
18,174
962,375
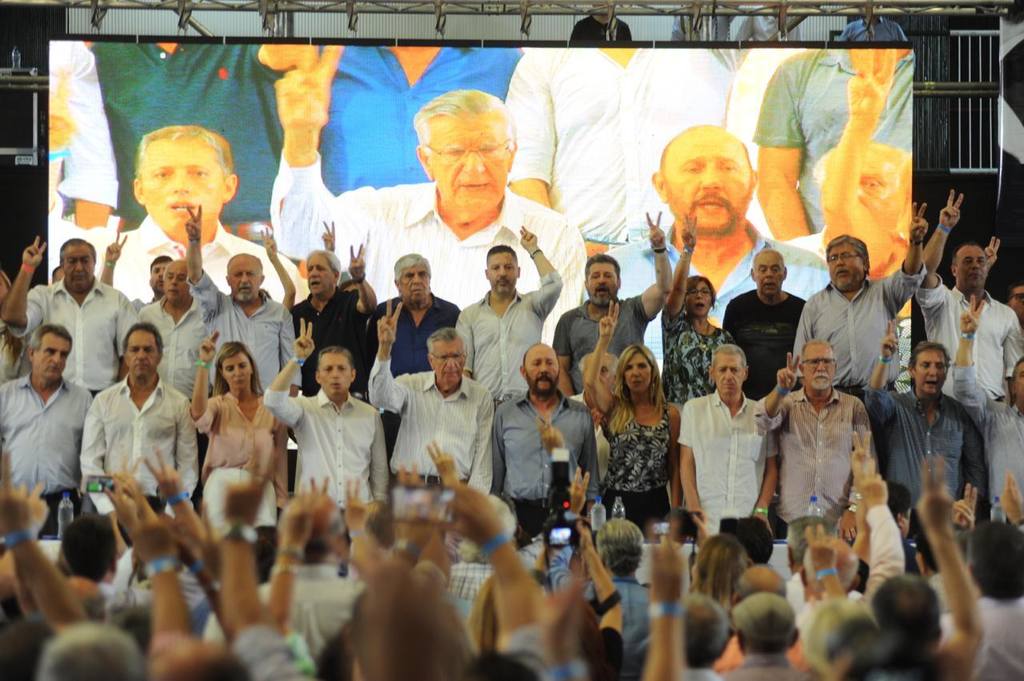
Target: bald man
x,y
707,181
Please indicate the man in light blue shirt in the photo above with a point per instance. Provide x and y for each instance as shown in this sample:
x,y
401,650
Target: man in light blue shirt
x,y
879,30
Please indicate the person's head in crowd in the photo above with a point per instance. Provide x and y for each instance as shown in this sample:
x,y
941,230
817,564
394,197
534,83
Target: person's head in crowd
x,y
1014,298
482,622
494,666
540,370
602,279
156,275
847,564
706,177
175,289
143,350
466,145
380,523
707,630
335,372
446,353
826,621
502,271
769,273
194,660
57,274
899,505
78,260
637,376
970,267
765,624
89,548
758,579
181,168
412,279
235,371
470,552
136,621
907,610
21,645
818,366
620,544
756,539
848,263
323,274
995,554
48,350
700,297
89,651
929,362
729,371
245,277
796,543
720,564
607,372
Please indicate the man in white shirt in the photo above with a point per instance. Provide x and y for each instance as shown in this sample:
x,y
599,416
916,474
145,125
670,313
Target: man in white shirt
x,y
467,144
178,318
96,315
341,439
140,418
442,406
726,469
499,329
999,342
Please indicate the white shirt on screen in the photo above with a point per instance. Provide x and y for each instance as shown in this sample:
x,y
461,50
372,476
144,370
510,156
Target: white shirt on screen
x,y
398,220
181,343
595,131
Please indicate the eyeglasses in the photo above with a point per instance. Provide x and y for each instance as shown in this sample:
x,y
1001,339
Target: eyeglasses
x,y
842,256
819,362
489,152
454,357
699,292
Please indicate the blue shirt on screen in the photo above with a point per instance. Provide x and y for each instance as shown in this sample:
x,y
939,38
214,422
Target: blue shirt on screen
x,y
369,140
885,30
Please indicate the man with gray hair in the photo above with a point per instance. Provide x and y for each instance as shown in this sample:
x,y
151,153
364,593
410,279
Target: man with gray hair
x,y
620,544
466,147
42,417
726,469
767,628
707,631
88,651
442,406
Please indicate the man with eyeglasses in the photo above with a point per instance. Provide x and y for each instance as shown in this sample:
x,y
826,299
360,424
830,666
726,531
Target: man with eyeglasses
x,y
999,344
811,430
852,312
442,406
1015,300
466,147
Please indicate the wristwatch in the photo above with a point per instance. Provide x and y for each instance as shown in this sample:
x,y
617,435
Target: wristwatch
x,y
246,533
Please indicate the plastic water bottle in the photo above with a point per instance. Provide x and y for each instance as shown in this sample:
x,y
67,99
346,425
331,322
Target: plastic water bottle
x,y
15,58
814,509
998,515
65,514
618,508
598,514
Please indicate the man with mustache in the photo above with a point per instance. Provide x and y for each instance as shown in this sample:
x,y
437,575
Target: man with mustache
x,y
999,344
522,460
500,328
909,427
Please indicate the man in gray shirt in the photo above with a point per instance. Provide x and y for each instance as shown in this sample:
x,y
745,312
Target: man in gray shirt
x,y
576,332
41,421
522,462
923,423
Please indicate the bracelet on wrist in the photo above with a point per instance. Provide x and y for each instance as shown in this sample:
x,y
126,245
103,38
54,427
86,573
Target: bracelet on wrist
x,y
495,543
782,391
761,510
12,539
25,267
111,264
660,250
882,359
286,568
967,336
577,669
687,250
917,242
944,229
163,564
298,360
176,499
533,254
202,364
827,572
665,609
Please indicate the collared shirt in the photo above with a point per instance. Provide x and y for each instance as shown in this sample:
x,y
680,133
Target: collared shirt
x,y
467,579
394,221
594,131
409,353
764,667
181,343
883,30
495,345
1001,655
729,453
118,435
339,323
814,449
576,333
805,107
98,327
853,327
522,467
459,423
904,438
43,440
339,444
268,333
997,344
806,274
1000,423
635,626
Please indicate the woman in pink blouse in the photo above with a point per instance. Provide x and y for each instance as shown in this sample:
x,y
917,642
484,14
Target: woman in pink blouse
x,y
244,435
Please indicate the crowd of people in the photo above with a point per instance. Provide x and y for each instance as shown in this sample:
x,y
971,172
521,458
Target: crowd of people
x,y
420,524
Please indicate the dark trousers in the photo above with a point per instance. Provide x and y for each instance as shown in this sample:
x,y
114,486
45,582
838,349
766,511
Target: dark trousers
x,y
531,515
52,502
391,423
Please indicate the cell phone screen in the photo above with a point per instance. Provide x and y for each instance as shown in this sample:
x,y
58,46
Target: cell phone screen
x,y
559,536
97,484
660,529
422,504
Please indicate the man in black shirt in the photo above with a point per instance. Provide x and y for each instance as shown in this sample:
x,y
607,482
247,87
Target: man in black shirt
x,y
763,322
596,28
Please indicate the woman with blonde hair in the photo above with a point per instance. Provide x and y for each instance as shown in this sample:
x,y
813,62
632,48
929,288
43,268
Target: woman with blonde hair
x,y
244,436
721,562
642,430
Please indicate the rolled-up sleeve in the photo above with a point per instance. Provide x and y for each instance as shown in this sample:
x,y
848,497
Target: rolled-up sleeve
x,y
211,300
898,287
765,423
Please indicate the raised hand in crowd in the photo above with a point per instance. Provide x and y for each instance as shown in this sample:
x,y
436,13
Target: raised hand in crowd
x,y
965,508
110,258
970,320
664,651
193,252
606,327
949,216
270,245
528,240
786,380
329,237
294,531
445,465
1011,500
918,224
357,263
655,233
387,330
303,346
32,256
822,548
888,349
15,303
868,90
578,492
155,546
991,252
303,100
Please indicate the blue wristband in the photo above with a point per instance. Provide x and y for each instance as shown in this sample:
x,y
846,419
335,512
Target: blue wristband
x,y
967,336
945,230
665,609
577,669
495,543
12,539
782,391
298,361
178,498
827,572
162,564
882,359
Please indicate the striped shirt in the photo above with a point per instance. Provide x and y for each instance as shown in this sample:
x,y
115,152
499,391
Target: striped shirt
x,y
460,423
814,448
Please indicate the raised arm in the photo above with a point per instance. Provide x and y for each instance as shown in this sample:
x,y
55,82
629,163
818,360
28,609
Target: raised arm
x,y
676,298
357,271
594,389
528,240
604,587
778,169
384,390
193,251
201,386
949,216
889,346
15,306
654,297
302,347
665,661
155,546
915,252
786,379
110,258
288,300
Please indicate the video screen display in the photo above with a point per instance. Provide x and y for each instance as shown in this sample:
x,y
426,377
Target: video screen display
x,y
449,151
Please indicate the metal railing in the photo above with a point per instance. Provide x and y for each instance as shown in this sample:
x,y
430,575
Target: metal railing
x,y
974,111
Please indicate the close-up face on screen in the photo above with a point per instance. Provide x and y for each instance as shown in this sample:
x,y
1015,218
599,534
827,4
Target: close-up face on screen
x,y
745,150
